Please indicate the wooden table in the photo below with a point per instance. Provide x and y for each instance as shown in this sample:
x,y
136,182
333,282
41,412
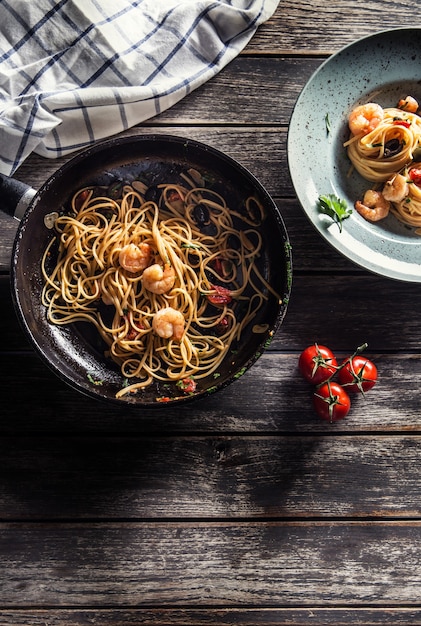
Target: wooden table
x,y
245,508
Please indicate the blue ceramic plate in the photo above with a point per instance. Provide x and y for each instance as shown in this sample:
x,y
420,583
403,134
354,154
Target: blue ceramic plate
x,y
382,68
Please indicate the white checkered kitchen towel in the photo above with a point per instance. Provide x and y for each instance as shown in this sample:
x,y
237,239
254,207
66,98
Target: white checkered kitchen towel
x,y
73,72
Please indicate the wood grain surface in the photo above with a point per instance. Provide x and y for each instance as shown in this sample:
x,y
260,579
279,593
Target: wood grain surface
x,y
244,508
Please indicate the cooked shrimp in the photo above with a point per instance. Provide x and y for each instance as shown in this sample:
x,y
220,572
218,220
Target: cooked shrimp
x,y
135,258
365,118
158,279
374,206
396,188
408,104
168,323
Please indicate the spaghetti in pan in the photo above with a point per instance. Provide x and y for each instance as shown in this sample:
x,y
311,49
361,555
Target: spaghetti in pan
x,y
169,282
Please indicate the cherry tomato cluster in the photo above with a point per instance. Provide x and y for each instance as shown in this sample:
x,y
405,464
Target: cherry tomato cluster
x,y
355,374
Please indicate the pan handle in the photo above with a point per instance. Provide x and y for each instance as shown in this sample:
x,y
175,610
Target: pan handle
x,y
15,196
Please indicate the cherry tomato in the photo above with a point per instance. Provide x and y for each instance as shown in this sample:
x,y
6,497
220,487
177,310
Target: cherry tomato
x,y
221,296
223,325
331,402
317,364
358,374
401,123
188,385
415,175
217,266
174,196
81,198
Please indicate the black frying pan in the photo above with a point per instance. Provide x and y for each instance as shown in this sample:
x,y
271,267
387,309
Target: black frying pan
x,y
72,352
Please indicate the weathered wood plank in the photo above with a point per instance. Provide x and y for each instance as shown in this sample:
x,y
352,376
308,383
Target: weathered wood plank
x,y
149,616
213,565
322,27
270,397
212,477
253,91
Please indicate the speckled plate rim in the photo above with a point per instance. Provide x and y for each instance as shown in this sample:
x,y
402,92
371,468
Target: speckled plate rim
x,y
381,67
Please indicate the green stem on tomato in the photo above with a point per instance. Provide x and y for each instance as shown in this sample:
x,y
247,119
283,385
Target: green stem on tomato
x,y
360,349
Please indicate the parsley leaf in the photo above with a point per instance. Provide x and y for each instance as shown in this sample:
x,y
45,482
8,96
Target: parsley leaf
x,y
336,208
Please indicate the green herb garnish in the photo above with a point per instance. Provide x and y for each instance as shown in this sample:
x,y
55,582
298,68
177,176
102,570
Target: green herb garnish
x,y
240,372
327,123
93,380
335,208
194,246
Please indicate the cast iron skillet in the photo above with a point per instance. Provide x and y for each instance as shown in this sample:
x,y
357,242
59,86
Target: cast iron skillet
x,y
73,352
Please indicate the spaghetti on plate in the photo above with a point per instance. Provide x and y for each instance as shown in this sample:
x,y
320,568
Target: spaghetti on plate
x,y
385,148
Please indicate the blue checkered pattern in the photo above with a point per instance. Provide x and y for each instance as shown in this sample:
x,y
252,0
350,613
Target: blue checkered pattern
x,y
73,72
